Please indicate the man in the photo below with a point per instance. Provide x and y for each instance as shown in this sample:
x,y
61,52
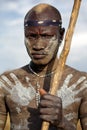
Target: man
x,y
19,89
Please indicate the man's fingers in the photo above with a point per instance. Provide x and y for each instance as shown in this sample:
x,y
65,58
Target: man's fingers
x,y
48,118
48,104
48,111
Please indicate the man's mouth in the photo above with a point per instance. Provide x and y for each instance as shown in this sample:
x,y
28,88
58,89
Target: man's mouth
x,y
38,55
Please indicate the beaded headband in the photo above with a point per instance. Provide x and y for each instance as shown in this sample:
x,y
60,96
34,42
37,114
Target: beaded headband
x,y
42,23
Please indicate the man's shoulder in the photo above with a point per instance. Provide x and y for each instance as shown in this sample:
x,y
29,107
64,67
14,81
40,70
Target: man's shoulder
x,y
73,75
77,73
18,71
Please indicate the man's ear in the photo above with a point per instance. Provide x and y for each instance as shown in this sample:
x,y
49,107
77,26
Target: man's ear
x,y
62,31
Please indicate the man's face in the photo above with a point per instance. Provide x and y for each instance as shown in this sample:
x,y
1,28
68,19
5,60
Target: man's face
x,y
42,43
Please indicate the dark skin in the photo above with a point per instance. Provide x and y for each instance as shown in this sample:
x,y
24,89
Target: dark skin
x,y
37,39
50,106
19,88
54,114
51,109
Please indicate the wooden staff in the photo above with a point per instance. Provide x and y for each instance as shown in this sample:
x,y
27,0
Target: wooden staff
x,y
63,56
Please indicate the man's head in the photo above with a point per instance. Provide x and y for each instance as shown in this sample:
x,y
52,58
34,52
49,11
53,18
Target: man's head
x,y
43,33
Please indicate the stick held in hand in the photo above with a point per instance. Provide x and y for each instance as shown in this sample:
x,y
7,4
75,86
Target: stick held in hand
x,y
64,53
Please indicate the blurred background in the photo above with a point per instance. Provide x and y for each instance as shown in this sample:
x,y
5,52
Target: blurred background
x,y
12,50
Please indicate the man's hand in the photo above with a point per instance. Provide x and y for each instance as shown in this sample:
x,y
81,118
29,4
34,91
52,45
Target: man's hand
x,y
51,109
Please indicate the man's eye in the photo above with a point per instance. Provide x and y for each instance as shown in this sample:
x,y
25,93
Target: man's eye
x,y
46,36
31,36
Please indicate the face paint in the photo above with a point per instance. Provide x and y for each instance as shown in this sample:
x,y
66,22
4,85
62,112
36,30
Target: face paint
x,y
28,46
49,51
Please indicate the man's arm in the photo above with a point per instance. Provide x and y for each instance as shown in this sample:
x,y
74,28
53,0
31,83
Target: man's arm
x,y
3,110
83,108
3,119
3,114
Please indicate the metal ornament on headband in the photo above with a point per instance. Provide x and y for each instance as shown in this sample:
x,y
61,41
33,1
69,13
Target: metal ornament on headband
x,y
42,23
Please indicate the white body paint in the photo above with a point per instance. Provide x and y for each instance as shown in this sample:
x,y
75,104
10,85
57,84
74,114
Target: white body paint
x,y
22,126
18,92
71,116
22,95
68,94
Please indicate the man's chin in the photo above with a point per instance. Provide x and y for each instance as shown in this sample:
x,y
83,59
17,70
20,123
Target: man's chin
x,y
40,62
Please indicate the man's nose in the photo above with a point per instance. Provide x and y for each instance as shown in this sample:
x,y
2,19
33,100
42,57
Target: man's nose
x,y
39,44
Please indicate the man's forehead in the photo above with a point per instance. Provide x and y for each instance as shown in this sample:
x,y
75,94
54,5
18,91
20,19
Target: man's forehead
x,y
32,29
42,29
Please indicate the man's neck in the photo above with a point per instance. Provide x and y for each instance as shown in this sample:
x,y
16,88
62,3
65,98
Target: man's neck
x,y
51,66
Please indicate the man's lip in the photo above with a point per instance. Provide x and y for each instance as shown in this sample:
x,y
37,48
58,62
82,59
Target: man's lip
x,y
38,56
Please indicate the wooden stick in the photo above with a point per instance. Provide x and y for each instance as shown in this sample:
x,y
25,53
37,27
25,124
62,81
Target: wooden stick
x,y
64,53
